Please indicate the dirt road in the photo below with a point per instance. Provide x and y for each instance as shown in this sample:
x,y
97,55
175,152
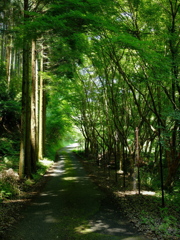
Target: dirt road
x,y
71,207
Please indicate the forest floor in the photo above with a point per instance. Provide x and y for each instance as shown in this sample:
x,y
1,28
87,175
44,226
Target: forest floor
x,y
143,211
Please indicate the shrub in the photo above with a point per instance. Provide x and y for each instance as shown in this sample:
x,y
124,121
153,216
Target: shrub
x,y
8,184
6,146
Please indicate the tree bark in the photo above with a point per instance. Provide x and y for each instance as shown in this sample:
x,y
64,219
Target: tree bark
x,y
34,112
25,158
8,59
25,146
41,109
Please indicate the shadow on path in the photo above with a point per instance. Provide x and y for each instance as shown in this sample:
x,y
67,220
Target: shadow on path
x,y
71,207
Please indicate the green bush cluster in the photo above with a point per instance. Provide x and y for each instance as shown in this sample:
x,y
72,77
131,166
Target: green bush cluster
x,y
9,186
9,162
165,226
5,146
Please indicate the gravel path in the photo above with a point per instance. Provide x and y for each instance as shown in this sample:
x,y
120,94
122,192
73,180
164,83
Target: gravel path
x,y
71,207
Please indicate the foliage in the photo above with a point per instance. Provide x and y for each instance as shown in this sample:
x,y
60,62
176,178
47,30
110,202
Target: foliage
x,y
8,147
167,224
9,121
110,66
10,187
59,125
143,210
9,184
42,167
9,104
9,161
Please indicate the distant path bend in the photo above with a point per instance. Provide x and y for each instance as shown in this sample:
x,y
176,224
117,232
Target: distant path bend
x,y
71,207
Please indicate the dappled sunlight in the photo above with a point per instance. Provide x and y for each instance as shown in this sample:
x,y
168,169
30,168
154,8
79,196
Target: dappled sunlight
x,y
83,230
46,214
70,178
51,219
73,145
135,192
101,226
46,162
69,148
44,194
63,190
150,193
57,169
56,173
62,157
75,179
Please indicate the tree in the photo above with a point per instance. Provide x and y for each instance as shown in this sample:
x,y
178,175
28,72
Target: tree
x,y
25,148
118,65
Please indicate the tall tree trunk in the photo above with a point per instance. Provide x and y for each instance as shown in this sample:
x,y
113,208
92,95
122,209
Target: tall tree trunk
x,y
34,110
25,147
174,161
8,59
41,109
25,158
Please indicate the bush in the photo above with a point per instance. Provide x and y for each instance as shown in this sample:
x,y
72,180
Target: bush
x,y
6,146
8,184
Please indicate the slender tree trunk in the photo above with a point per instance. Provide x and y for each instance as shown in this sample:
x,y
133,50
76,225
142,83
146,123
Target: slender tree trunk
x,y
3,43
34,111
138,159
44,118
8,59
41,110
37,107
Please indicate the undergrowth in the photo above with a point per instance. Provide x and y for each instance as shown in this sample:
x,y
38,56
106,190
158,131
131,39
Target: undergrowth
x,y
12,187
9,186
144,211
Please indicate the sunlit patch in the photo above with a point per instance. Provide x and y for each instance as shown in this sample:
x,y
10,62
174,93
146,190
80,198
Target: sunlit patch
x,y
63,190
70,178
55,173
83,230
135,192
98,226
49,193
46,162
44,194
50,219
148,193
58,171
73,145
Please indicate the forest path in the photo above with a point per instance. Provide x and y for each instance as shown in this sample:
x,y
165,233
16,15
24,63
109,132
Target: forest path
x,y
71,207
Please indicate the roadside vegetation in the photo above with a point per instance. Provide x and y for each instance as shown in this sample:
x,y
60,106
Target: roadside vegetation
x,y
144,210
